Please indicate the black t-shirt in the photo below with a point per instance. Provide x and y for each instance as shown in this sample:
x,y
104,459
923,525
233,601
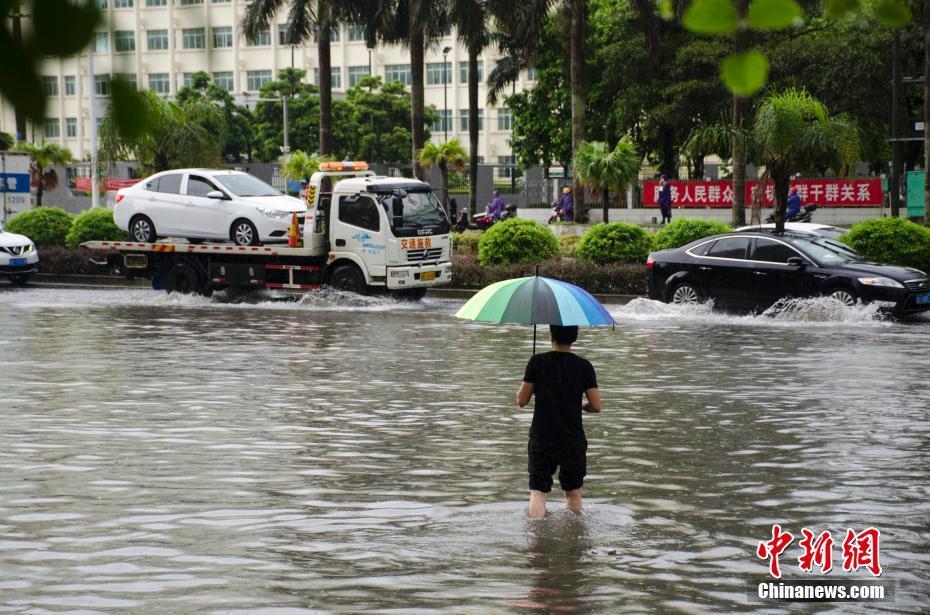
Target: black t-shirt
x,y
559,379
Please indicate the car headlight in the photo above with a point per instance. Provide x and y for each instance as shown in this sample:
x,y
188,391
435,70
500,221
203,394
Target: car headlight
x,y
276,214
887,282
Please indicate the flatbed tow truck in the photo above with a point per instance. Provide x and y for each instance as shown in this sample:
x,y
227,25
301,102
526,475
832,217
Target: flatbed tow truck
x,y
362,233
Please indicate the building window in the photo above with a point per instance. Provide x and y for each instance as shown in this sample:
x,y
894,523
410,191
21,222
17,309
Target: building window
x,y
102,4
187,80
397,72
504,120
122,4
101,42
156,2
70,85
124,41
531,74
356,32
224,79
102,85
463,120
129,79
159,82
255,79
220,1
71,127
463,72
283,38
193,38
189,2
50,85
335,78
333,35
52,128
435,73
356,73
263,38
507,168
444,122
222,37
156,40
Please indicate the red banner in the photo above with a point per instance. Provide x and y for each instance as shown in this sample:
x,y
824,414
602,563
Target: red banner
x,y
823,192
83,184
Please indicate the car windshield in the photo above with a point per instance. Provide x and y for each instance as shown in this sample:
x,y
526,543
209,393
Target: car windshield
x,y
421,210
243,184
829,251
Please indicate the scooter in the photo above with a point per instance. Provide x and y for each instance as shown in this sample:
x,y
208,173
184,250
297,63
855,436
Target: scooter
x,y
805,215
484,221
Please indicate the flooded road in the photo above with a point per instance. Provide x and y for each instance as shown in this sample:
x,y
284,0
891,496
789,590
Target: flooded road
x,y
163,454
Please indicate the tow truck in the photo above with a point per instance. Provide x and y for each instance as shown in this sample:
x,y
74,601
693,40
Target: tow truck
x,y
362,233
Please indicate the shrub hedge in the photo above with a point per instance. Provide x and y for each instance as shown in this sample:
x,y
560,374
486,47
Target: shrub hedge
x,y
682,231
569,245
45,226
64,261
465,243
614,278
616,242
94,225
896,241
517,240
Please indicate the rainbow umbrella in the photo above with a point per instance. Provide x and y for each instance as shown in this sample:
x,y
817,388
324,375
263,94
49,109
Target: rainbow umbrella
x,y
535,300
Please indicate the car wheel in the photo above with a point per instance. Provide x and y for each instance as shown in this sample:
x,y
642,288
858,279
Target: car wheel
x,y
19,279
686,294
348,278
142,230
846,296
244,233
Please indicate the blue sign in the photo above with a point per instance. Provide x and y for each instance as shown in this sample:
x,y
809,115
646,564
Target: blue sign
x,y
14,182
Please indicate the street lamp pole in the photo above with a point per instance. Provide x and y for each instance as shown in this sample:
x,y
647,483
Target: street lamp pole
x,y
445,92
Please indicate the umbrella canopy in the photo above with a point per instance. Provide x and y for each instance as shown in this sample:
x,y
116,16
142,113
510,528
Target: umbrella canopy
x,y
535,300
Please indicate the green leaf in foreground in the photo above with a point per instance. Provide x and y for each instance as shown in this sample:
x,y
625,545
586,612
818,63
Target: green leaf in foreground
x,y
745,73
773,14
129,111
892,13
710,17
838,9
665,10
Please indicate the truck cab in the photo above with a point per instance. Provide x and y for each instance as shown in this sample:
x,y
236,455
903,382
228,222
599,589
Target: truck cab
x,y
377,231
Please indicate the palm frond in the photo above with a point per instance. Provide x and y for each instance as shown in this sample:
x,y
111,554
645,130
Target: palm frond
x,y
258,16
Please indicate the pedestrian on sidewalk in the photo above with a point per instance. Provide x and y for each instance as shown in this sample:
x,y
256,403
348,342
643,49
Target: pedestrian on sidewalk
x,y
665,199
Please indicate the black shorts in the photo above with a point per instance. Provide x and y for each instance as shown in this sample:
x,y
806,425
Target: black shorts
x,y
569,457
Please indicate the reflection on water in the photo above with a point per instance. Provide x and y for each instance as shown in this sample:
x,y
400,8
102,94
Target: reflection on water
x,y
179,454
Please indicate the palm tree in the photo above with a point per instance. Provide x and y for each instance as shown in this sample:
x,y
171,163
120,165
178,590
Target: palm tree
x,y
443,155
604,169
43,160
521,25
471,20
306,18
301,166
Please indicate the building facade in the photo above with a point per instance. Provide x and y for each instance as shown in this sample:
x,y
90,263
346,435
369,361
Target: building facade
x,y
160,44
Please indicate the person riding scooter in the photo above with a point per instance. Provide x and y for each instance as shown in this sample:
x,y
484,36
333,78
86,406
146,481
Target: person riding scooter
x,y
496,207
794,205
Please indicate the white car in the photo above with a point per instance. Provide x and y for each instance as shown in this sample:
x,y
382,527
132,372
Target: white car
x,y
810,228
200,204
18,257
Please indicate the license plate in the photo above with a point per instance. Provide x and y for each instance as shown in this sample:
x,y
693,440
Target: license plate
x,y
922,299
17,262
428,275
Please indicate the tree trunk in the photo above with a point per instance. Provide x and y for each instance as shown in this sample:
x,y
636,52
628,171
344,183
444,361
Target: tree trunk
x,y
606,204
577,8
926,111
39,172
782,185
472,132
741,43
417,130
20,117
326,78
444,183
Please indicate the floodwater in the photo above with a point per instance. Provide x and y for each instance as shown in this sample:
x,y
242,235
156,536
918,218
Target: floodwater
x,y
165,454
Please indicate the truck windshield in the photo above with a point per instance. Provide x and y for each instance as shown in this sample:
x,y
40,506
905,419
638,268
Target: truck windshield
x,y
422,210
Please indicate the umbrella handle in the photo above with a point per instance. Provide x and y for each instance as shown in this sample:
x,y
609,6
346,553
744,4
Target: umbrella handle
x,y
534,339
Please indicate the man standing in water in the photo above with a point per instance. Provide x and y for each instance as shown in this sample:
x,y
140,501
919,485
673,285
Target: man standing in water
x,y
558,378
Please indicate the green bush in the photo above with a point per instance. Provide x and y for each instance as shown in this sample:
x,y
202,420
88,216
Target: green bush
x,y
517,240
615,242
569,245
896,241
615,278
94,225
45,226
682,231
465,243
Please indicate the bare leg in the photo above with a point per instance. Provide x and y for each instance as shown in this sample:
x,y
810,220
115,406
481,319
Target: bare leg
x,y
537,504
573,500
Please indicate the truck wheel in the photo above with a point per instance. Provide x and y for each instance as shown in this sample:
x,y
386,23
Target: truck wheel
x,y
142,230
348,278
185,278
19,279
243,233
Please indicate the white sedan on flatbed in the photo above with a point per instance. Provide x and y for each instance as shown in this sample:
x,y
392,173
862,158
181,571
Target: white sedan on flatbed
x,y
200,204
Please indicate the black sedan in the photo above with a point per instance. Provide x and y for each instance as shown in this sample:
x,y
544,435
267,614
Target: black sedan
x,y
753,270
